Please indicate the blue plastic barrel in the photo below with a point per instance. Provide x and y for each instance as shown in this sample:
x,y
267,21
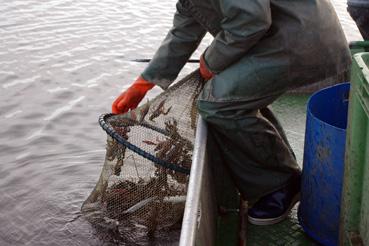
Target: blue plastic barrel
x,y
323,167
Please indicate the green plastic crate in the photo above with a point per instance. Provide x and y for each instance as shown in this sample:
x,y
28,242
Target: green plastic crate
x,y
355,204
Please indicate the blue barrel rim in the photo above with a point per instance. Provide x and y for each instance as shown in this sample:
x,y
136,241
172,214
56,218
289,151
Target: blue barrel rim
x,y
318,92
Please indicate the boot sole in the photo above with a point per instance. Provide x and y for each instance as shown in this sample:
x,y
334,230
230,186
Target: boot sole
x,y
272,221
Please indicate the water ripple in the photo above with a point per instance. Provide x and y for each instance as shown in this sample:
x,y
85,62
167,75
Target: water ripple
x,y
65,108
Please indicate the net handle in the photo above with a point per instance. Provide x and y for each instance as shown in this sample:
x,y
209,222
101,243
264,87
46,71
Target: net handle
x,y
113,134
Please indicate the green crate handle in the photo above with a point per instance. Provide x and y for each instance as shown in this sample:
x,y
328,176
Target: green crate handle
x,y
359,44
364,99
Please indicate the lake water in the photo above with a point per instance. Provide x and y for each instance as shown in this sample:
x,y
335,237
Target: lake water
x,y
62,63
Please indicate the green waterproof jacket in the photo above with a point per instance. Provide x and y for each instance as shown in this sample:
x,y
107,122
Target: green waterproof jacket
x,y
291,42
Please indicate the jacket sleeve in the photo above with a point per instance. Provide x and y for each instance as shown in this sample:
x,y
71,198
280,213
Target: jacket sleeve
x,y
177,47
244,23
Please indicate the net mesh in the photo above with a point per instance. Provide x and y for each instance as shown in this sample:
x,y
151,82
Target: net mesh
x,y
143,182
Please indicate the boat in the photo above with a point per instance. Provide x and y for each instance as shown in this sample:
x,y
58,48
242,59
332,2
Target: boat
x,y
215,217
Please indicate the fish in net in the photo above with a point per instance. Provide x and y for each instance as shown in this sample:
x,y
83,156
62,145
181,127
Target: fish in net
x,y
143,182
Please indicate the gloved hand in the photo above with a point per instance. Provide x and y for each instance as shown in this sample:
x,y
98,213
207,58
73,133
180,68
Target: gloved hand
x,y
204,71
130,98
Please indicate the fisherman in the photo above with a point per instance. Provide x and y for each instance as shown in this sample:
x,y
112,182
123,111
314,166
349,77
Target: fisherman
x,y
261,49
359,11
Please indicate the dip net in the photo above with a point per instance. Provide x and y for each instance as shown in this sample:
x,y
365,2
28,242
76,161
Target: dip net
x,y
142,186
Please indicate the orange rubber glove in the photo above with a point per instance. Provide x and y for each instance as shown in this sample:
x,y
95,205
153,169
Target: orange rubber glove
x,y
130,98
204,71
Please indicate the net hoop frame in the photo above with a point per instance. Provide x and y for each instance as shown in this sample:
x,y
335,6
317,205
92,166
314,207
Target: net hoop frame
x,y
115,135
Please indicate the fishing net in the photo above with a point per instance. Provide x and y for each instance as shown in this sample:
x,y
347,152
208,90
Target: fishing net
x,y
144,179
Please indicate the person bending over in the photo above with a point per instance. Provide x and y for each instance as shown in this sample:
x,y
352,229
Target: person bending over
x,y
261,49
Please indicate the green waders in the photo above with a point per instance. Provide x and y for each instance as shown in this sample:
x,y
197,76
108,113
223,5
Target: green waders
x,y
245,132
